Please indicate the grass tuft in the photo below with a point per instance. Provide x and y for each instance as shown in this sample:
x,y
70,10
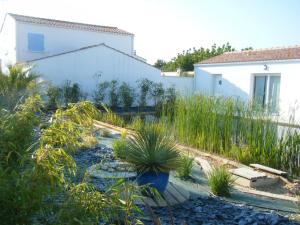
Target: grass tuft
x,y
185,167
220,181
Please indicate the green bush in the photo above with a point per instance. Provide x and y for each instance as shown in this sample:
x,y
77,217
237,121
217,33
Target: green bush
x,y
185,167
120,148
54,95
127,95
17,85
145,86
113,93
152,149
100,93
72,93
220,181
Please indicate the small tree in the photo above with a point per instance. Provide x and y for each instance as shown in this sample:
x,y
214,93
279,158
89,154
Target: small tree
x,y
100,93
113,93
71,92
54,95
145,86
157,93
127,94
159,64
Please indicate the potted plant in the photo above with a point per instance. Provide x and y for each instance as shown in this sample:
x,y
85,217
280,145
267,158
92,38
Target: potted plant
x,y
152,151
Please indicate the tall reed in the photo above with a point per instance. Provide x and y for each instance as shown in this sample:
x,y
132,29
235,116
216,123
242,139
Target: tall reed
x,y
235,129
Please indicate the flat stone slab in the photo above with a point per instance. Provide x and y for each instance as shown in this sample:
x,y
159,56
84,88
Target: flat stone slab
x,y
249,174
114,171
268,169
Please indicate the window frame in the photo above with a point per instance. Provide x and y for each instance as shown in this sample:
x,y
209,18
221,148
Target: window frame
x,y
266,90
29,45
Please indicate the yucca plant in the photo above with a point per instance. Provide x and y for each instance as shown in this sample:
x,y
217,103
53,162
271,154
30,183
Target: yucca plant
x,y
220,181
152,149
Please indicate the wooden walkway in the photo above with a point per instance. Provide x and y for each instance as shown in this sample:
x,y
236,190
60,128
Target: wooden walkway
x,y
173,195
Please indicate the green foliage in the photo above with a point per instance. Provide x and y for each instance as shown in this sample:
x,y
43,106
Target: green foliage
x,y
185,167
113,93
157,92
110,117
54,95
220,181
145,86
100,93
105,133
159,64
127,95
234,129
136,123
186,60
120,148
71,92
16,85
152,149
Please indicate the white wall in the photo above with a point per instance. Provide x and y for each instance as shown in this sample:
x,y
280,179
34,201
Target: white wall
x,y
238,81
90,66
57,40
8,42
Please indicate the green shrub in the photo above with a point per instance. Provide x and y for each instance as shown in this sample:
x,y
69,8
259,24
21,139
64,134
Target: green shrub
x,y
54,95
152,149
136,123
17,85
72,93
220,181
113,93
120,148
185,167
145,86
100,93
105,133
157,92
127,95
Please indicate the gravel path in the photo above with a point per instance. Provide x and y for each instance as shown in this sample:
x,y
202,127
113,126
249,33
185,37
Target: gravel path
x,y
199,210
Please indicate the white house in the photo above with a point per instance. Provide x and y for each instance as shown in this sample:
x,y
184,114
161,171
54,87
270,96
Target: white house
x,y
269,76
82,53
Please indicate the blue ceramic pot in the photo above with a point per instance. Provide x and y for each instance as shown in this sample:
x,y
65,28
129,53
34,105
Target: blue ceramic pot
x,y
156,180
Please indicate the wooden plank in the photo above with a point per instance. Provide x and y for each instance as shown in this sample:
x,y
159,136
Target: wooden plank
x,y
182,191
247,173
204,165
150,202
176,194
268,169
169,198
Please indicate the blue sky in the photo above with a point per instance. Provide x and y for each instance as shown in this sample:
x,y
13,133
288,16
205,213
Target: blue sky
x,y
163,28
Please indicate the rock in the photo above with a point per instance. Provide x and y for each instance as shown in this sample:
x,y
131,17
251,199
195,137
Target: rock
x,y
198,209
242,222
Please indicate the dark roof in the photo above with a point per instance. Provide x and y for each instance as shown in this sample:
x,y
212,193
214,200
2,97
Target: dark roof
x,y
67,24
256,55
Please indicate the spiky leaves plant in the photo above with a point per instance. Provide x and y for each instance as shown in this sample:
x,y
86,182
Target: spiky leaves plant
x,y
152,149
220,181
185,167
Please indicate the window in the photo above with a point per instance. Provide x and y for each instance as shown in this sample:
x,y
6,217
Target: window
x,y
35,42
266,91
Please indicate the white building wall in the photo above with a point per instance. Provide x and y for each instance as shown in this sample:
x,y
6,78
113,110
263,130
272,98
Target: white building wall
x,y
57,40
91,66
8,42
237,81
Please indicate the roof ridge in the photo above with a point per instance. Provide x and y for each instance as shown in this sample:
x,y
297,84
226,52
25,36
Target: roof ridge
x,y
20,17
264,49
88,47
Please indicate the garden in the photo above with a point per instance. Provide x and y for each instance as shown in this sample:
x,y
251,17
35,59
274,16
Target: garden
x,y
117,160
